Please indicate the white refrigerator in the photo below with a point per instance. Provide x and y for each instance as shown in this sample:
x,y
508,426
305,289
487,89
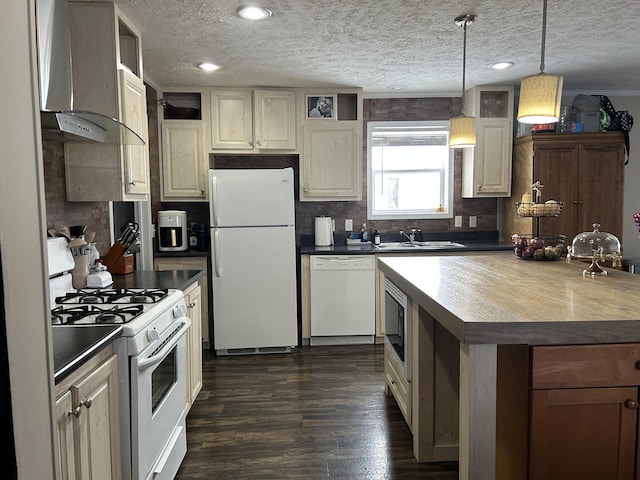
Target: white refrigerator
x,y
253,260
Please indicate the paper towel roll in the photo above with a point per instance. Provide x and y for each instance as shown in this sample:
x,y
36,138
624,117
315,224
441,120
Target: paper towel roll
x,y
324,231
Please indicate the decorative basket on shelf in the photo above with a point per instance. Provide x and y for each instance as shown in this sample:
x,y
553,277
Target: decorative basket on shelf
x,y
542,247
550,208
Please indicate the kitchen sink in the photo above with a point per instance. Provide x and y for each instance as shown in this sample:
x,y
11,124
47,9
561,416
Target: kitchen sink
x,y
430,245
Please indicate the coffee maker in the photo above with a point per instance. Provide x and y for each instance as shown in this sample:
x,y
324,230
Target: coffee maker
x,y
172,228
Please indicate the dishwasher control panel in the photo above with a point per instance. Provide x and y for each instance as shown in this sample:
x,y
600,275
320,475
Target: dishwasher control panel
x,y
342,262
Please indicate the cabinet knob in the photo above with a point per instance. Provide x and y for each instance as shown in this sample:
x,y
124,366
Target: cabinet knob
x,y
637,365
258,143
87,403
133,184
202,191
75,411
577,202
631,404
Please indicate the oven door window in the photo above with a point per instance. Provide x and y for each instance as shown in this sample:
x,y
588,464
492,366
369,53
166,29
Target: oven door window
x,y
394,326
162,379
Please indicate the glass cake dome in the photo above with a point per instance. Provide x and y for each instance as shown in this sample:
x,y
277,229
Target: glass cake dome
x,y
597,246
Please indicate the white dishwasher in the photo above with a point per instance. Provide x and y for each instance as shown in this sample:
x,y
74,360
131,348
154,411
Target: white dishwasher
x,y
342,299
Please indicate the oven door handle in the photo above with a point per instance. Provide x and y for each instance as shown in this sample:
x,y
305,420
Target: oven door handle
x,y
159,356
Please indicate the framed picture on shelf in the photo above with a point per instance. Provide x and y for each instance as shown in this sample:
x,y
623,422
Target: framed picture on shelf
x,y
321,107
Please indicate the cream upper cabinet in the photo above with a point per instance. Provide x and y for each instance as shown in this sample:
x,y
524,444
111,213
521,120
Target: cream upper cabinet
x,y
87,423
254,120
486,168
331,160
133,108
184,161
184,165
231,120
275,119
107,79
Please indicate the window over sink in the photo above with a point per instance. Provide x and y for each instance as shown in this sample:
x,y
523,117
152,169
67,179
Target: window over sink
x,y
410,170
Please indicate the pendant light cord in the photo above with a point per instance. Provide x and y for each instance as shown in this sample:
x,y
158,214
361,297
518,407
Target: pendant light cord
x,y
544,34
464,61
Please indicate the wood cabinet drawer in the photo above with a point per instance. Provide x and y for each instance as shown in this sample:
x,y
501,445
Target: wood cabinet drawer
x,y
579,366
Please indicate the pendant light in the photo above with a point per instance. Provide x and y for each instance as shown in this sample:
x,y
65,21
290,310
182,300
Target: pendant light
x,y
462,129
541,94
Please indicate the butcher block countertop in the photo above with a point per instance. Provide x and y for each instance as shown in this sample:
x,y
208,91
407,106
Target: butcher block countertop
x,y
505,300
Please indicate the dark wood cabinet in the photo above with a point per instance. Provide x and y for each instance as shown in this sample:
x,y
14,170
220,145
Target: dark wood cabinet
x,y
583,170
584,412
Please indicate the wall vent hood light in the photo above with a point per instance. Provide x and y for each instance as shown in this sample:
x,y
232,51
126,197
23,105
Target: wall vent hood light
x,y
59,120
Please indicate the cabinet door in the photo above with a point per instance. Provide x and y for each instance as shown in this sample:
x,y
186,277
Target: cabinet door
x,y
133,111
193,298
97,423
601,183
487,167
275,119
184,165
556,167
585,433
332,162
64,431
231,120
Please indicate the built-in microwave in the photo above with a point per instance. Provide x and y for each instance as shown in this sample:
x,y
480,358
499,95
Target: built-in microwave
x,y
397,326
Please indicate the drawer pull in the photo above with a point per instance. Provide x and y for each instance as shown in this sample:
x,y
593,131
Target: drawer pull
x,y
631,404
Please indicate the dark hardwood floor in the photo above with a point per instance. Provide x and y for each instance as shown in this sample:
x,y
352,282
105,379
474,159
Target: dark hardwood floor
x,y
317,413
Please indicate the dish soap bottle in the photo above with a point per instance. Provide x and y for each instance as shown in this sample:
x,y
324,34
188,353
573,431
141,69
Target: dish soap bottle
x,y
376,237
364,234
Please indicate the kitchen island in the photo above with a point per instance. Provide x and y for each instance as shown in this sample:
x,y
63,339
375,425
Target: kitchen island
x,y
499,308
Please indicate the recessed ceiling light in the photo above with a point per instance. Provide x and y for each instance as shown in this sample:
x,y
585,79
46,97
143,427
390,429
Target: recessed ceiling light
x,y
501,65
253,12
208,67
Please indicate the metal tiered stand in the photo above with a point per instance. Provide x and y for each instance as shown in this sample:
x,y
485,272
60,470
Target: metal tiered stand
x,y
537,246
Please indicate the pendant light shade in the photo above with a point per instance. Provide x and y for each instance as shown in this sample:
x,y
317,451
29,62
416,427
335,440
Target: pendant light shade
x,y
540,97
462,132
540,94
462,129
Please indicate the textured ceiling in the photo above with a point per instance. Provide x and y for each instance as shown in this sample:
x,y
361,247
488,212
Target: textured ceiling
x,y
375,44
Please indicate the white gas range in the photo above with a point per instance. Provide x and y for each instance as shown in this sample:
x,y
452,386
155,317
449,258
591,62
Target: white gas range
x,y
151,363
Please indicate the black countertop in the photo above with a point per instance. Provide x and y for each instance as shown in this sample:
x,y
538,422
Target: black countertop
x,y
368,249
75,344
175,279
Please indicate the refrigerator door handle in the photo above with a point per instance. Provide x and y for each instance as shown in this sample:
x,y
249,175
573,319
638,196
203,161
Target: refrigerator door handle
x,y
214,201
216,260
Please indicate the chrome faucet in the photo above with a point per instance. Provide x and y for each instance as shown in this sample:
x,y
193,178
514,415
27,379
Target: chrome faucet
x,y
411,236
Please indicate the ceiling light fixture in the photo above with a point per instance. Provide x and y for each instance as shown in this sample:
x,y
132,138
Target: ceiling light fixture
x,y
462,129
252,12
208,67
501,65
541,94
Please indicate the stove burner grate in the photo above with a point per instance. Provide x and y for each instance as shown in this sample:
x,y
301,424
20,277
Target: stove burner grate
x,y
122,295
63,315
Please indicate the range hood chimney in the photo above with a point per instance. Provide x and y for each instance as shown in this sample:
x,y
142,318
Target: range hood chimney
x,y
58,118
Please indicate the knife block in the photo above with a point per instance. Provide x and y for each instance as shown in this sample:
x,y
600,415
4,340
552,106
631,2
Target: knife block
x,y
115,252
123,265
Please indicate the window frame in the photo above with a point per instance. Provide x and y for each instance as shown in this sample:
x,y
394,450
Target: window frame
x,y
449,174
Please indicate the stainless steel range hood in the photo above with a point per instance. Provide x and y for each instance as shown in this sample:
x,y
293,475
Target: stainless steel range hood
x,y
59,120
